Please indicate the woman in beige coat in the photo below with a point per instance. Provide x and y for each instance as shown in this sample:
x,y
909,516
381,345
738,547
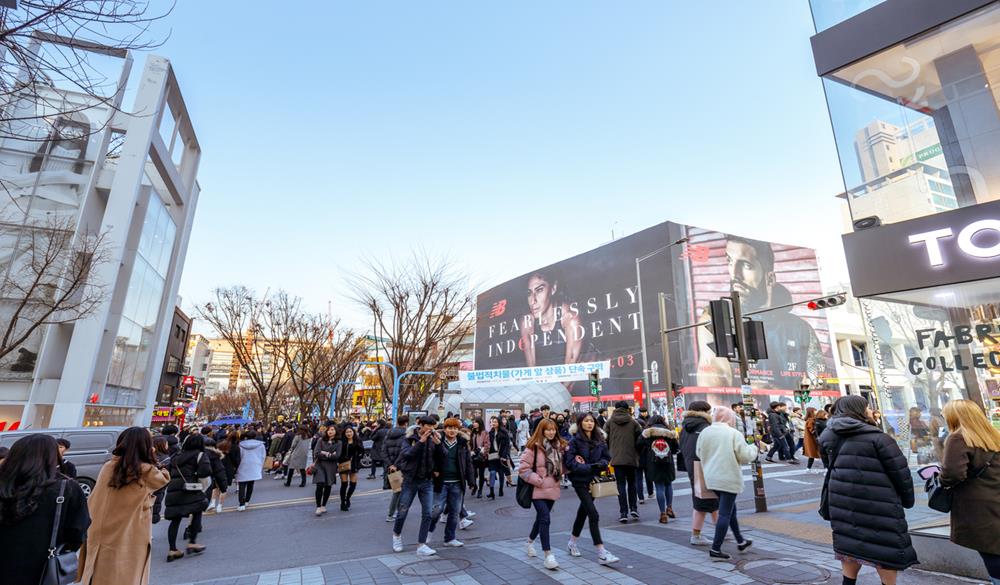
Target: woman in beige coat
x,y
119,540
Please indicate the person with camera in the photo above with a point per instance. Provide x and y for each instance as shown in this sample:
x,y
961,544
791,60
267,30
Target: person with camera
x,y
420,462
586,457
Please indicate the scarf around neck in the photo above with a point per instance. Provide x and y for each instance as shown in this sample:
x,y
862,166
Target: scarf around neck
x,y
553,458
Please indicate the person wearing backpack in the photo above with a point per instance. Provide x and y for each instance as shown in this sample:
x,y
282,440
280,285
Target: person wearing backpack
x,y
186,494
971,468
660,445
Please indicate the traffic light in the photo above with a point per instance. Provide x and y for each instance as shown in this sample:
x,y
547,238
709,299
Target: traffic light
x,y
595,383
827,302
722,329
802,396
756,344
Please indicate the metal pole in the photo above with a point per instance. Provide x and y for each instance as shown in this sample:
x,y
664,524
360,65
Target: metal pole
x,y
642,339
666,358
759,497
395,387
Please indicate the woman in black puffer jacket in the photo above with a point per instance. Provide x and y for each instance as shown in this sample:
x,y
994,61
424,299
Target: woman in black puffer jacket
x,y
186,468
870,485
696,418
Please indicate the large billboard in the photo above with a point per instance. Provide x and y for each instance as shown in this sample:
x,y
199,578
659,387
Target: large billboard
x,y
586,309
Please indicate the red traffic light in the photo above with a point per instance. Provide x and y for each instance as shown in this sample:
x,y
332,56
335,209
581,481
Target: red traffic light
x,y
812,306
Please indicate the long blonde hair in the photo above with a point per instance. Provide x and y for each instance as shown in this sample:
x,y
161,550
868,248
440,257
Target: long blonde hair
x,y
977,430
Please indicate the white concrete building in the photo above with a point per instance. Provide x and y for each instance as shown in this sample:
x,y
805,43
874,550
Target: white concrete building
x,y
132,177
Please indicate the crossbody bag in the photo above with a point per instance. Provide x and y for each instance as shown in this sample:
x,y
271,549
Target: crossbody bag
x,y
60,566
941,498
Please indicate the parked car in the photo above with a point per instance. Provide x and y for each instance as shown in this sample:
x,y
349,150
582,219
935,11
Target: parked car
x,y
90,448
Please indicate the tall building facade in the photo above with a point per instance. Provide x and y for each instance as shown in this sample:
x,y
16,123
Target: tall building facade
x,y
129,174
913,91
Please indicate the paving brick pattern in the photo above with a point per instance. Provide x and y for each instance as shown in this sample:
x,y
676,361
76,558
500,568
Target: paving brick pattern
x,y
650,554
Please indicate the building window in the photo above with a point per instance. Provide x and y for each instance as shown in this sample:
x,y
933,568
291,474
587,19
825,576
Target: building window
x,y
888,360
859,353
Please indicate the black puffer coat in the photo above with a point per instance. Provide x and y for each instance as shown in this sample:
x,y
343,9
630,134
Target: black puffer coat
x,y
870,485
659,455
186,468
594,452
692,425
393,445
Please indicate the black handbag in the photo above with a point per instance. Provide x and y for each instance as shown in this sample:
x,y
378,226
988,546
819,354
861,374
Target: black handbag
x,y
60,567
941,498
524,492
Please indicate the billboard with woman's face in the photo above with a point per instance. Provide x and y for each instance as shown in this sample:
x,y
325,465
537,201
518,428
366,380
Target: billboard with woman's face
x,y
586,308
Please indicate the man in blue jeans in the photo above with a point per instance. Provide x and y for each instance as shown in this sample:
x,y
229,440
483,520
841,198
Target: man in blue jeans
x,y
456,473
420,462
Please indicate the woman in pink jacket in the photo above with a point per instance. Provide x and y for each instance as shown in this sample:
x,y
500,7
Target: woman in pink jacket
x,y
542,467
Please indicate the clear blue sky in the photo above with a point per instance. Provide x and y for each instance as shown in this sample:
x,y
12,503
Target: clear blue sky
x,y
506,134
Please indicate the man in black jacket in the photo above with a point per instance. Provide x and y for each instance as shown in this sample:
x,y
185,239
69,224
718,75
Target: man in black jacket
x,y
456,473
392,446
778,428
420,461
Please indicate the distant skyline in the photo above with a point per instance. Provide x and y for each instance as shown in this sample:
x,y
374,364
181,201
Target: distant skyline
x,y
505,136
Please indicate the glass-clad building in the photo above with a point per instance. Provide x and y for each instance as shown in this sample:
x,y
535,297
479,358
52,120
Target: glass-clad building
x,y
913,91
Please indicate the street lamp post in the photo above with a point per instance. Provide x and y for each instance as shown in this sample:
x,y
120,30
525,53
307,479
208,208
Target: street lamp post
x,y
396,377
642,330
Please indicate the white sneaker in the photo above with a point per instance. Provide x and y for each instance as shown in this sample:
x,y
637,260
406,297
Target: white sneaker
x,y
530,549
550,562
700,540
572,548
454,543
470,514
425,551
241,508
397,543
218,508
211,504
606,558
462,525
390,518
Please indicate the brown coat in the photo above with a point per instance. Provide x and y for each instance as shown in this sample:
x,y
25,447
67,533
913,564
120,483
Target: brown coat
x,y
810,446
975,512
119,540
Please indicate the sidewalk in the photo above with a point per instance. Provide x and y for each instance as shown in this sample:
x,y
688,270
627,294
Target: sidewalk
x,y
650,554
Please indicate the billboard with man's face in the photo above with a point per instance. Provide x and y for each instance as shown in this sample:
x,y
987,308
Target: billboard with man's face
x,y
586,309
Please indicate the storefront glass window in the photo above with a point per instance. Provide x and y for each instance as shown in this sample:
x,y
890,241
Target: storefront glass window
x,y
917,126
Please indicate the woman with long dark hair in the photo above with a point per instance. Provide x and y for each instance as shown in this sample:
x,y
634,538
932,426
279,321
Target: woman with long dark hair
x,y
161,450
230,447
185,495
120,539
480,440
497,454
325,457
542,467
348,464
869,487
30,483
586,457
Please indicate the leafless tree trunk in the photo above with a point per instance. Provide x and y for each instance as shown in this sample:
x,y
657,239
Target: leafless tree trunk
x,y
255,329
421,310
47,280
223,404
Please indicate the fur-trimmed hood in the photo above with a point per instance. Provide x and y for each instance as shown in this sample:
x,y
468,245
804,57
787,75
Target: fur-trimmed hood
x,y
465,433
411,431
658,432
705,415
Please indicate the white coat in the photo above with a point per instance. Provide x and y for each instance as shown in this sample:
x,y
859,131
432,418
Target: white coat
x,y
252,454
723,450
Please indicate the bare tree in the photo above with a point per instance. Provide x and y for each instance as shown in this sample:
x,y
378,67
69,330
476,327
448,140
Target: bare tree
x,y
47,280
421,310
255,329
223,404
51,69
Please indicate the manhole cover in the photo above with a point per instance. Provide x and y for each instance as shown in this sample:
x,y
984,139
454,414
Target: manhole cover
x,y
784,572
434,568
515,512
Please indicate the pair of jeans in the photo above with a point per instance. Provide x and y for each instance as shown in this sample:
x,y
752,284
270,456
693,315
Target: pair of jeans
x,y
424,490
586,511
625,478
664,495
779,445
245,492
543,519
790,440
727,520
992,563
449,500
394,503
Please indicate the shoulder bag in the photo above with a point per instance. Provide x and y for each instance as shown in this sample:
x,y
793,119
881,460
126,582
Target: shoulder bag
x,y
524,492
941,498
824,496
60,567
603,485
200,484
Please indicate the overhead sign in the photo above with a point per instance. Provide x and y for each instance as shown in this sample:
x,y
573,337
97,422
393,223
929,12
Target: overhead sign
x,y
534,375
961,245
637,391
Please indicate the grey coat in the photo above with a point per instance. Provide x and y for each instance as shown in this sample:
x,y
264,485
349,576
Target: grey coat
x,y
325,466
298,454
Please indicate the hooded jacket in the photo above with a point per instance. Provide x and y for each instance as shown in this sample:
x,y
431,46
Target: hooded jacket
x,y
623,432
722,451
660,445
187,467
692,424
594,452
418,461
251,460
870,485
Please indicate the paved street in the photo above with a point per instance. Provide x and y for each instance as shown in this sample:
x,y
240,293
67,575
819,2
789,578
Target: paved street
x,y
278,541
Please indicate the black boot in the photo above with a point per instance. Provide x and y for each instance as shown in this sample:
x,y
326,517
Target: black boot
x,y
849,581
501,489
491,496
350,492
343,496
